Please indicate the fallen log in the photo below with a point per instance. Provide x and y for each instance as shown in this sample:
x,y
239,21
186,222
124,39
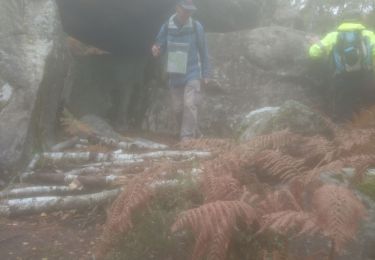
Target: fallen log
x,y
89,182
81,157
38,205
85,170
94,170
123,158
163,154
70,143
139,143
116,164
38,191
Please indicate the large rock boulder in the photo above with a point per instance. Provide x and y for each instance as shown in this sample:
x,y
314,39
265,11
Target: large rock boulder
x,y
251,69
32,69
292,115
134,24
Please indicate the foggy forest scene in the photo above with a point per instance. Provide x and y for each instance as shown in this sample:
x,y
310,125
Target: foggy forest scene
x,y
187,129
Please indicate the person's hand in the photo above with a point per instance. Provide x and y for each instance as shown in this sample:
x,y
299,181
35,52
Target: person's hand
x,y
206,81
314,39
155,50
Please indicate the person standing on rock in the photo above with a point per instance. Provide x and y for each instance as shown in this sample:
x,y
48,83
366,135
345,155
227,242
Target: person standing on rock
x,y
182,39
349,51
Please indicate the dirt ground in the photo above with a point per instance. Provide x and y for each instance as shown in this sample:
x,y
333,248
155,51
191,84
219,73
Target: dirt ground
x,y
67,235
60,235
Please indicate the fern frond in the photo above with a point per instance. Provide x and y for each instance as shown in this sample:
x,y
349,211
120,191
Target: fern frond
x,y
277,201
355,141
220,188
74,127
230,163
274,141
284,222
137,195
335,167
338,213
219,245
278,166
119,220
365,118
316,149
200,248
249,197
361,163
213,225
214,145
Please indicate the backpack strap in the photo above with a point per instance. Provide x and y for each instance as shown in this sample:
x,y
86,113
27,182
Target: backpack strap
x,y
199,44
195,31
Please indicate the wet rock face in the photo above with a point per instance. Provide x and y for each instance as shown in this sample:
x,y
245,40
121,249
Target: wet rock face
x,y
251,69
31,76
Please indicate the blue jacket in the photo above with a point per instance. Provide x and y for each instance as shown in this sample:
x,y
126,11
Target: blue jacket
x,y
198,61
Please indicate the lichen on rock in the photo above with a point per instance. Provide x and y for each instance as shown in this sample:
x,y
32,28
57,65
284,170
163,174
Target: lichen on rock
x,y
292,115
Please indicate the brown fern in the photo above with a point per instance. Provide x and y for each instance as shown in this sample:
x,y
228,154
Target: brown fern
x,y
220,243
338,214
214,145
220,188
276,201
355,141
365,118
316,150
278,166
119,220
74,127
274,141
137,194
239,159
213,225
285,222
361,163
230,163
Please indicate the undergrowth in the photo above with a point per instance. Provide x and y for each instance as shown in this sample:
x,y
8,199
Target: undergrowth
x,y
252,201
150,237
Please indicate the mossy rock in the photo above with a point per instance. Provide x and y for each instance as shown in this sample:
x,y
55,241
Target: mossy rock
x,y
367,187
292,115
257,122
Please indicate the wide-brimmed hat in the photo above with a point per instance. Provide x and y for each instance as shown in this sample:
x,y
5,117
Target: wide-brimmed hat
x,y
187,4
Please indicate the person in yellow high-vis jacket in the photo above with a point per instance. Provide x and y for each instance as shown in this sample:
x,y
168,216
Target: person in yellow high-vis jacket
x,y
325,46
350,51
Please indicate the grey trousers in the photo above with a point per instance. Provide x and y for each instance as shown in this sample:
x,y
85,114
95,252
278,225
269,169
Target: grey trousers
x,y
185,101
